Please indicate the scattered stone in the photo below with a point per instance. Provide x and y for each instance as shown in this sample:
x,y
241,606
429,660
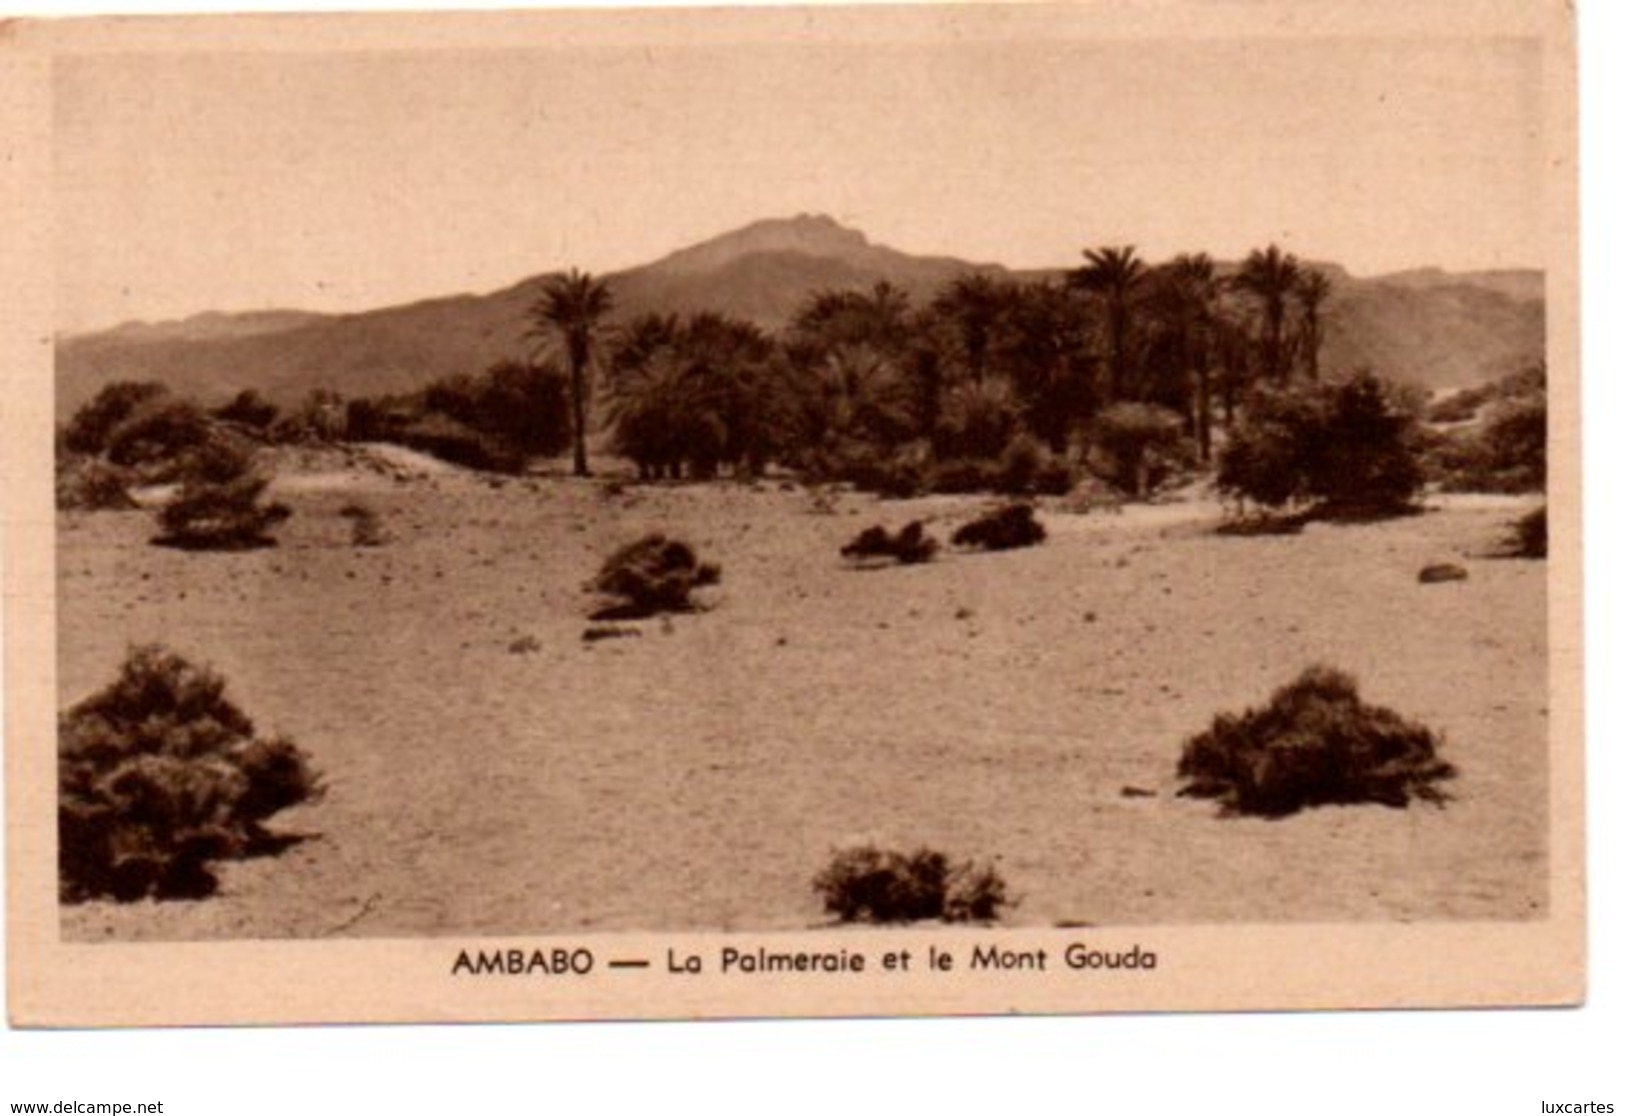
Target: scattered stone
x,y
1444,571
525,645
1137,792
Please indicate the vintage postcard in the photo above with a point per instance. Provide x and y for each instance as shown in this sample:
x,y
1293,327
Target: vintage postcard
x,y
792,511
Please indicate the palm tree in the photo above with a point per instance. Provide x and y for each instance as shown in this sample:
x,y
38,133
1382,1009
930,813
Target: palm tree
x,y
570,310
1310,291
1044,348
1185,302
972,305
1270,276
1113,274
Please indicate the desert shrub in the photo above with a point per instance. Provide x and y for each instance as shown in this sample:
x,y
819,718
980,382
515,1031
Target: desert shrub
x,y
1507,454
366,525
159,433
249,408
1025,468
1469,403
158,774
1353,447
517,407
1315,743
1005,528
1139,439
217,460
1262,461
1529,535
864,466
91,484
1368,458
220,516
1494,459
92,426
450,440
1029,468
1514,445
958,475
870,884
909,546
654,574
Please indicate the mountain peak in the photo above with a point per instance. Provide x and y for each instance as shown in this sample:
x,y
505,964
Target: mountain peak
x,y
812,234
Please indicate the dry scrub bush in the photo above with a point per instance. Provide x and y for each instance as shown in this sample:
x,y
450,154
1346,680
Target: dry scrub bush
x,y
366,525
220,516
655,574
1315,743
92,426
158,775
1142,442
1006,528
91,484
909,546
870,884
1529,535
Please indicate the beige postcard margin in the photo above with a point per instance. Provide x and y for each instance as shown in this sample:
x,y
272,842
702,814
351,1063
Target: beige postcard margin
x,y
1199,968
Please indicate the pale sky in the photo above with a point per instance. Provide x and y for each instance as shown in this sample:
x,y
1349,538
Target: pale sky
x,y
348,180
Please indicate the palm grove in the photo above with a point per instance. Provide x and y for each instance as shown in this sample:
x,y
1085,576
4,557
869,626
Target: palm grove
x,y
995,383
1118,372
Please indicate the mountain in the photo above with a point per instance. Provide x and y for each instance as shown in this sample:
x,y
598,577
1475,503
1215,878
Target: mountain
x,y
1521,285
1430,327
209,325
762,272
1450,332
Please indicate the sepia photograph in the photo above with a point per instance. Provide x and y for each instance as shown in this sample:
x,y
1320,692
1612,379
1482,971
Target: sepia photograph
x,y
797,511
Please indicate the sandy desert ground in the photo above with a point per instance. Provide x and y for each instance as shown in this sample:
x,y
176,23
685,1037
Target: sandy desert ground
x,y
699,775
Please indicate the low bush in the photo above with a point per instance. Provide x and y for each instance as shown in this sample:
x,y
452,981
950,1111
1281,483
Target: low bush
x,y
1006,528
449,440
909,546
160,433
652,575
249,408
92,426
1506,455
1315,743
965,475
1529,535
1029,468
158,775
219,460
366,525
1026,467
1140,440
91,484
1469,403
870,884
223,516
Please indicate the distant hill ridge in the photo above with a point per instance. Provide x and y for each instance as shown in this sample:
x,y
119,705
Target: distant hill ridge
x,y
1428,326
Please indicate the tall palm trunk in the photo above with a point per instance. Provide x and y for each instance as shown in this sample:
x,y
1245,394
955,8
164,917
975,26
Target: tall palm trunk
x,y
1204,411
578,400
